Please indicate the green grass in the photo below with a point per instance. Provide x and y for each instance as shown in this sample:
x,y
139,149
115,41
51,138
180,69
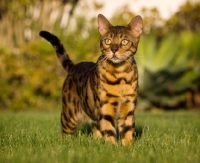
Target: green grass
x,y
166,137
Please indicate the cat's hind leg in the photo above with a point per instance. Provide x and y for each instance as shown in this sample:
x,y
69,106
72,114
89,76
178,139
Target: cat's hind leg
x,y
71,114
68,123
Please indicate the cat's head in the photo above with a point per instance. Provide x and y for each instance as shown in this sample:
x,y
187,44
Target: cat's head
x,y
118,43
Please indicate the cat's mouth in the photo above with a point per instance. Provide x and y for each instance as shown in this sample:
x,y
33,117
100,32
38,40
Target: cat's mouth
x,y
115,59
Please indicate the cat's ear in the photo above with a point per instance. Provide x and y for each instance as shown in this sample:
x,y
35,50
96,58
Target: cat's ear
x,y
136,25
104,24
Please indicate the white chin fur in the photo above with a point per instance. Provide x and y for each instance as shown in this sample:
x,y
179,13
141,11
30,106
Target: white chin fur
x,y
116,61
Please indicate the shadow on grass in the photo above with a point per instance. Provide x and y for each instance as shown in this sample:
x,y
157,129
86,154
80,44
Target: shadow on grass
x,y
138,131
85,129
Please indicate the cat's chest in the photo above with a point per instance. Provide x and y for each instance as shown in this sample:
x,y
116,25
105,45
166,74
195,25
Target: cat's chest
x,y
119,81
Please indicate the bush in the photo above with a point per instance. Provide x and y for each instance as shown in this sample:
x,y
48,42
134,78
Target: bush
x,y
33,78
168,71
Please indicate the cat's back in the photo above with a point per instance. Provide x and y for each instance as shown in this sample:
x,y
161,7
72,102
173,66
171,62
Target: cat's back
x,y
82,67
79,78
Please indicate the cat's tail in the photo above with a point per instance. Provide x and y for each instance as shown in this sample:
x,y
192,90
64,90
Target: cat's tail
x,y
59,48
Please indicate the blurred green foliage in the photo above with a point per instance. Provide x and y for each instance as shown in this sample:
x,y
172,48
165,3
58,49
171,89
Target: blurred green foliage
x,y
168,58
169,72
29,79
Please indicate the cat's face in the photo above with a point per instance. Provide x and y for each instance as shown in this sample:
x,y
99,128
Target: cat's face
x,y
119,42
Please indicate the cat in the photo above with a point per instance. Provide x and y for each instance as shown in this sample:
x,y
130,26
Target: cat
x,y
106,91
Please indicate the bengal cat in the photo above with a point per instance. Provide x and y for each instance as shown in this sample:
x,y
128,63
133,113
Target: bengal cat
x,y
105,91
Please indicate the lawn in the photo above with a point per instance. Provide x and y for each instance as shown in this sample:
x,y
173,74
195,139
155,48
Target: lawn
x,y
162,137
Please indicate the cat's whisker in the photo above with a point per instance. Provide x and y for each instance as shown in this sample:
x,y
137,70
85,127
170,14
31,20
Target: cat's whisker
x,y
95,57
100,62
103,60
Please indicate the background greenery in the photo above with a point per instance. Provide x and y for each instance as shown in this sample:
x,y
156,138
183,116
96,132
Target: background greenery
x,y
31,76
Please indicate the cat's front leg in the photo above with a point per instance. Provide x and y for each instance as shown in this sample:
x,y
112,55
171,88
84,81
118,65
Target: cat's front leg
x,y
96,130
126,123
107,122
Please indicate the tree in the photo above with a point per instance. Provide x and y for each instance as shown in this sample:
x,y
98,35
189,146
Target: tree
x,y
20,21
186,18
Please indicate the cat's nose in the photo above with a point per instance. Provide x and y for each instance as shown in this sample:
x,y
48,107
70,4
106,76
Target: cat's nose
x,y
114,48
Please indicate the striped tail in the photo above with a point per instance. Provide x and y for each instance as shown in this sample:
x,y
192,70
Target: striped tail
x,y
60,50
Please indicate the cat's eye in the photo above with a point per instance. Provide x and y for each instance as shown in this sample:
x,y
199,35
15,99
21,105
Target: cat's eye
x,y
108,41
124,42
